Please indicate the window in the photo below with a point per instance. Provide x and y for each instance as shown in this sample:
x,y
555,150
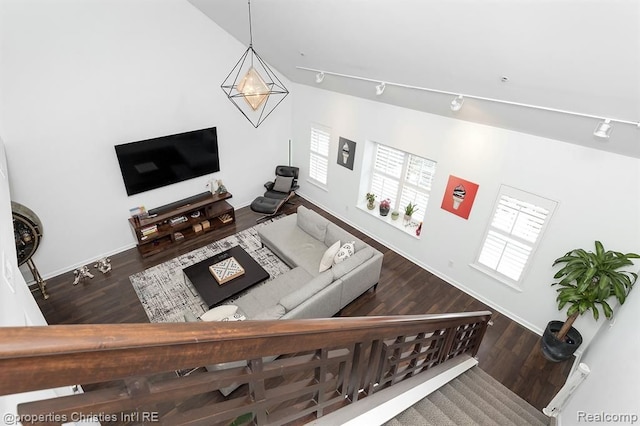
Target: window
x,y
516,228
319,154
403,178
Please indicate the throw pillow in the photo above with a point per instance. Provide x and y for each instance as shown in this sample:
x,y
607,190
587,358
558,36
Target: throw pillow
x,y
282,184
347,250
327,259
219,313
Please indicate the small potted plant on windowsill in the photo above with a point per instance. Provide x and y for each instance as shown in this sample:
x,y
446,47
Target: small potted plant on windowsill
x,y
587,279
371,199
409,210
395,214
385,206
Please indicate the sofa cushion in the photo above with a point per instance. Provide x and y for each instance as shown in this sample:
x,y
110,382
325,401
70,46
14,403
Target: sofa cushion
x,y
352,262
335,233
292,300
254,302
288,241
312,223
274,312
328,257
346,250
308,256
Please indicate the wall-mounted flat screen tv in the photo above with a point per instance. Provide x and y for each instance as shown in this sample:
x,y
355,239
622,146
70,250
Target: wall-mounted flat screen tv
x,y
162,161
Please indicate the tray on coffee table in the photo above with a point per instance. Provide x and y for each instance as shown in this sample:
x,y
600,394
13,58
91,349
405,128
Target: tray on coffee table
x,y
226,270
208,287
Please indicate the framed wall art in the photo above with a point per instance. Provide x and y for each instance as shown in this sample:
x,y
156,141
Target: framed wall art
x,y
458,196
346,153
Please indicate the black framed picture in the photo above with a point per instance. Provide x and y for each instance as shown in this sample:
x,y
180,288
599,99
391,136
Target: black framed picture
x,y
346,153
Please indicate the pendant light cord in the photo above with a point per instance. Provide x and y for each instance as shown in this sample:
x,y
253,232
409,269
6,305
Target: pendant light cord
x,y
250,31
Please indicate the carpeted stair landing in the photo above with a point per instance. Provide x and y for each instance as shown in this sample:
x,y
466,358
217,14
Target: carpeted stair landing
x,y
473,398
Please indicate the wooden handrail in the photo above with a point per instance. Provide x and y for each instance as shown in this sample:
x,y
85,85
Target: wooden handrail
x,y
342,351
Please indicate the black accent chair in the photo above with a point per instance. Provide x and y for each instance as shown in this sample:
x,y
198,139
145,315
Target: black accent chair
x,y
286,180
278,193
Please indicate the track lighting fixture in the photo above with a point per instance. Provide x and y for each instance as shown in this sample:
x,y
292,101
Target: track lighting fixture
x,y
603,129
456,103
319,77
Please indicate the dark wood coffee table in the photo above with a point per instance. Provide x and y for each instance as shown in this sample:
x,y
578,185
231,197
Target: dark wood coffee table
x,y
214,293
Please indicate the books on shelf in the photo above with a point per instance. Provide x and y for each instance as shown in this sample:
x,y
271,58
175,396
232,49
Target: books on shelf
x,y
149,230
225,218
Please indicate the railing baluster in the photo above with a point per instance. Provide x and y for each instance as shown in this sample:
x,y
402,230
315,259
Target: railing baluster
x,y
371,377
321,378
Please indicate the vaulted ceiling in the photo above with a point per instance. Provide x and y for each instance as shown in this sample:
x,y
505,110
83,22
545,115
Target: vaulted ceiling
x,y
573,55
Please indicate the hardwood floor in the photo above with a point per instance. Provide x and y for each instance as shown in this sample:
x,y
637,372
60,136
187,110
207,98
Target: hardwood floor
x,y
510,353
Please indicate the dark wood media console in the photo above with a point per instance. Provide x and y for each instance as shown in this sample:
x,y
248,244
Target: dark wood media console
x,y
171,227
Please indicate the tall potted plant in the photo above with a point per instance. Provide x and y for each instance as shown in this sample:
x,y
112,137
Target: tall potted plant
x,y
586,280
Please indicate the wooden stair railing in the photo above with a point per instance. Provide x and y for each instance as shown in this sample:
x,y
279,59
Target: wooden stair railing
x,y
323,364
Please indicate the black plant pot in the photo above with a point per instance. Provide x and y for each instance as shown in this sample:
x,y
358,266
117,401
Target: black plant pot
x,y
384,211
556,350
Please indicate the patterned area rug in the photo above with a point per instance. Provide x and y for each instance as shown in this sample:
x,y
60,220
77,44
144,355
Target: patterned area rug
x,y
164,292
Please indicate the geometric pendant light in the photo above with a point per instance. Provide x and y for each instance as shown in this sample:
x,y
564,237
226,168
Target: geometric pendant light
x,y
252,86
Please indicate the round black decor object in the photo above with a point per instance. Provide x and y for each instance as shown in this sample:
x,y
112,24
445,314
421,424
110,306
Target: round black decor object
x,y
27,230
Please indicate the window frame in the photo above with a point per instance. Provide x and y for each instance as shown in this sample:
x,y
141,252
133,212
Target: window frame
x,y
522,197
402,180
313,129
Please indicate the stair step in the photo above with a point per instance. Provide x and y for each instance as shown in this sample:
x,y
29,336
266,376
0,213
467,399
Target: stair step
x,y
411,416
506,397
473,404
473,398
432,413
450,409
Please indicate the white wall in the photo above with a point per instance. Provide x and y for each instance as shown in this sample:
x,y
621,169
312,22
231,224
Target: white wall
x,y
597,194
612,386
17,307
81,76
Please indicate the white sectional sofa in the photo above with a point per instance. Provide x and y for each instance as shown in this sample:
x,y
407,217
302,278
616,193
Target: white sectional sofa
x,y
301,240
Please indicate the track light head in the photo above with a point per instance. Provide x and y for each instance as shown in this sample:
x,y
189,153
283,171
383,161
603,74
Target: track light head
x,y
319,77
380,88
456,103
603,129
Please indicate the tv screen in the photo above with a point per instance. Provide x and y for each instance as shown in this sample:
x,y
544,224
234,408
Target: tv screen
x,y
158,162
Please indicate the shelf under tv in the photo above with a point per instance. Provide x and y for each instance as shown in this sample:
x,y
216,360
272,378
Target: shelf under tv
x,y
207,208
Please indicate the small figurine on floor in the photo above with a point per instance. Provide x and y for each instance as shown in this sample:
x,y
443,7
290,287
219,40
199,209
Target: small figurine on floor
x,y
103,265
81,274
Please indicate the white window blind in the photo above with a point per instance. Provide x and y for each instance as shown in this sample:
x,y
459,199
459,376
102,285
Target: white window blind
x,y
514,232
402,178
319,154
